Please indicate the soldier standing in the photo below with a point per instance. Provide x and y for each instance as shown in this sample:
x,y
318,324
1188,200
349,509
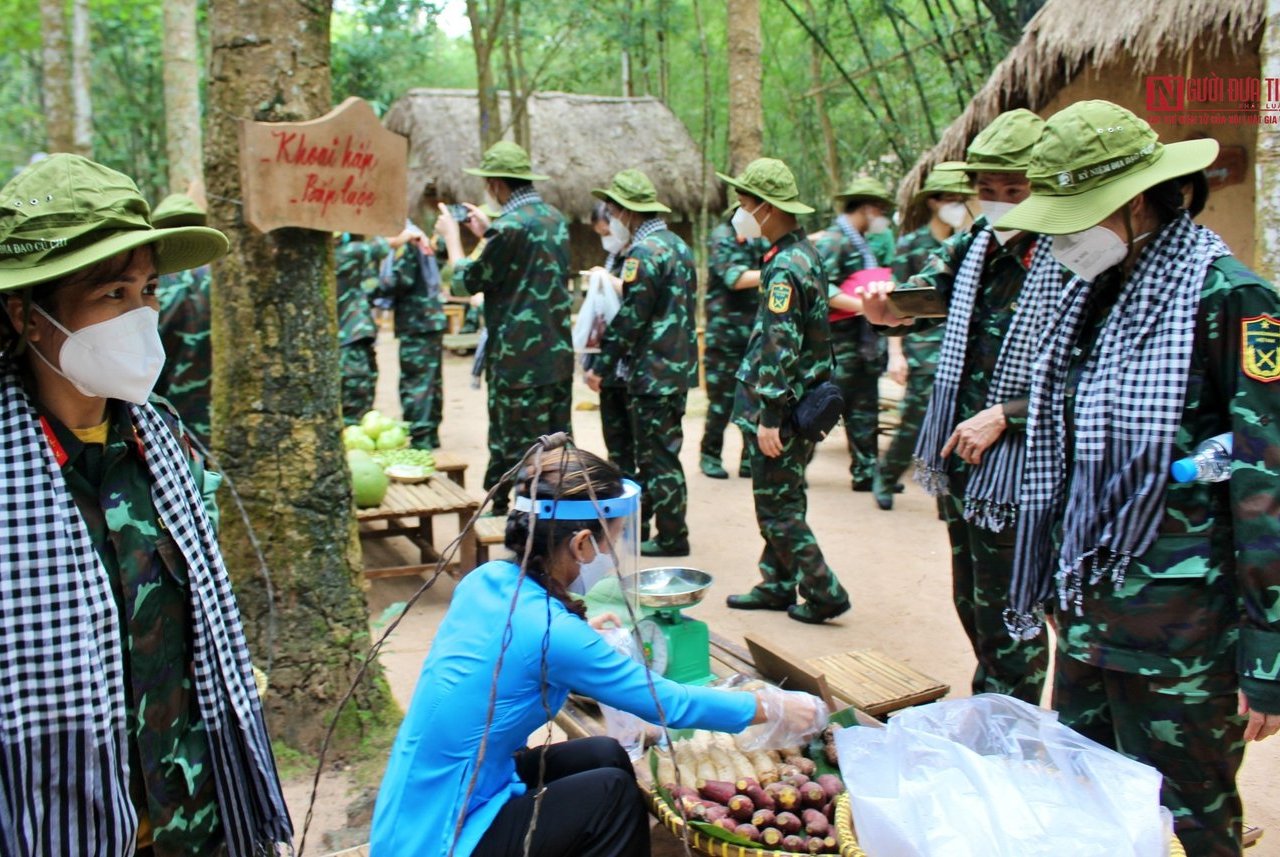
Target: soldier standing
x,y
652,343
523,274
615,410
733,287
859,238
789,353
184,325
357,260
420,324
945,195
1169,636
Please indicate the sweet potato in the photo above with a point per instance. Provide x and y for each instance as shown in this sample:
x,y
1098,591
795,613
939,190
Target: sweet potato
x,y
727,823
678,792
787,822
763,818
744,783
813,795
748,831
714,813
772,789
797,780
794,843
771,837
741,807
767,776
787,771
815,823
761,798
716,790
831,784
788,797
829,743
815,845
803,764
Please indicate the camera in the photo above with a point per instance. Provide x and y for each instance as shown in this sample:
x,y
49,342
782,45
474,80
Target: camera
x,y
459,212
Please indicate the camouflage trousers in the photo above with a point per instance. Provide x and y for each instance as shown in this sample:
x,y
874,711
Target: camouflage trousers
x,y
915,401
422,386
359,379
658,433
615,422
1184,727
721,369
518,416
791,560
858,377
981,569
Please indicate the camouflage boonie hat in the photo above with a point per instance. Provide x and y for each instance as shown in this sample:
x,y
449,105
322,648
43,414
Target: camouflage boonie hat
x,y
866,189
1005,145
178,209
505,160
66,213
632,189
770,180
1094,157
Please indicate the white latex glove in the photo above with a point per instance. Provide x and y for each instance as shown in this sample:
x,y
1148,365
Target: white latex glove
x,y
792,717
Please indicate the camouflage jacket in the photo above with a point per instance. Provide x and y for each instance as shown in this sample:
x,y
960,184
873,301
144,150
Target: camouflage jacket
x,y
357,261
523,272
731,312
790,347
1205,597
418,306
654,337
171,771
184,329
913,251
840,259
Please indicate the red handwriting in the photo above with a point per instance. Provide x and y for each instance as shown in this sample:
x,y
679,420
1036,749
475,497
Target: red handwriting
x,y
293,148
327,192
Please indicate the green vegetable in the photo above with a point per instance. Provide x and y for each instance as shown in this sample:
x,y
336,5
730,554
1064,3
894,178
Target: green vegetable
x,y
368,482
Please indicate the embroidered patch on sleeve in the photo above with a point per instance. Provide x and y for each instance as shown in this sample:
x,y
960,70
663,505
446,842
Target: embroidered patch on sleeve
x,y
779,297
630,270
1260,348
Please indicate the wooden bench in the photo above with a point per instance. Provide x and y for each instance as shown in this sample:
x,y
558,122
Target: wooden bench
x,y
451,465
876,683
488,532
407,511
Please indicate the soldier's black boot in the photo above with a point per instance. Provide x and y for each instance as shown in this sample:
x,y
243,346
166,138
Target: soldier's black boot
x,y
757,599
711,466
882,491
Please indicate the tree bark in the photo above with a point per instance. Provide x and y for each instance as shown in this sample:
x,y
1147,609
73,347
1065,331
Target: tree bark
x,y
183,133
1267,154
81,104
57,77
276,420
484,35
832,151
746,114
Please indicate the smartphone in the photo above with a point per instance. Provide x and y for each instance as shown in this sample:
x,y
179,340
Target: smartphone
x,y
459,212
917,302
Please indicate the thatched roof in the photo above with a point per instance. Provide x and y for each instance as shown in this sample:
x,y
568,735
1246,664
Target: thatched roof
x,y
580,141
1067,36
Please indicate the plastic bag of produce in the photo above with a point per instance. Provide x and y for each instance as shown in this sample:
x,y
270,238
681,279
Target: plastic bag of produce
x,y
623,726
992,776
598,309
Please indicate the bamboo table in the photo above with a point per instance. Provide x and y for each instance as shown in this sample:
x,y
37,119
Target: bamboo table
x,y
407,511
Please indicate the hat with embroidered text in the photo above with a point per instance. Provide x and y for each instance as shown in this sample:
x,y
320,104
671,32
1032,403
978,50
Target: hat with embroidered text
x,y
505,160
771,180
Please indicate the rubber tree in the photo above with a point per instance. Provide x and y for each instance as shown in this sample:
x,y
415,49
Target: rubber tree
x,y
182,131
56,71
275,397
746,113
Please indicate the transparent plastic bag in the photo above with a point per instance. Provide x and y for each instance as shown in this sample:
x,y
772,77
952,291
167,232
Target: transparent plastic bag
x,y
598,308
623,726
992,776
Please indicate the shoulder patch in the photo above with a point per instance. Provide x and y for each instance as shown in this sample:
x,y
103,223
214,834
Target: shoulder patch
x,y
630,270
1260,348
780,297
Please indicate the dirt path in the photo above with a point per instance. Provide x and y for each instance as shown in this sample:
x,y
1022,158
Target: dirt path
x,y
895,565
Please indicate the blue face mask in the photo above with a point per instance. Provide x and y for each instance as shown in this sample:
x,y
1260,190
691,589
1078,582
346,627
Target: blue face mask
x,y
591,573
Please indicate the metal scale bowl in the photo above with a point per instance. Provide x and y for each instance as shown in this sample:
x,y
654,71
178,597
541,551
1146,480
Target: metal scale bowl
x,y
674,645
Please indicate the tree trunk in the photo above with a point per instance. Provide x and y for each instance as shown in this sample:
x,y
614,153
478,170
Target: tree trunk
x,y
59,132
276,420
183,133
832,160
82,106
1267,152
484,34
746,115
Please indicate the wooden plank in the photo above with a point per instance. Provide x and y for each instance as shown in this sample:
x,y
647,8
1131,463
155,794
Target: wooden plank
x,y
1251,835
876,683
451,465
787,670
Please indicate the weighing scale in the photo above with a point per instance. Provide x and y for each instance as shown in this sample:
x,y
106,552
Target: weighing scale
x,y
677,647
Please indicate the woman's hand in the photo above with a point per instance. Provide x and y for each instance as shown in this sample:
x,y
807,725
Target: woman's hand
x,y
1260,726
974,436
897,370
784,718
875,305
593,380
605,620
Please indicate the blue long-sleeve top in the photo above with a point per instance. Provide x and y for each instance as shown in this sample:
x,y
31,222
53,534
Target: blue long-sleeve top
x,y
435,751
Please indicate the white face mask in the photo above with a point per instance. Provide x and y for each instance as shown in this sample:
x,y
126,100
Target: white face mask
x,y
878,224
953,214
1087,254
612,244
994,211
591,573
120,358
619,232
744,223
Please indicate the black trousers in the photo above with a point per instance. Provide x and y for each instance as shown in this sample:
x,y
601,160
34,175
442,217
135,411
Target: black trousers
x,y
591,806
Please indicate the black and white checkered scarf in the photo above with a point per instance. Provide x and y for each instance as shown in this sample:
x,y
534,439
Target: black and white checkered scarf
x,y
991,492
859,243
1128,407
64,753
940,417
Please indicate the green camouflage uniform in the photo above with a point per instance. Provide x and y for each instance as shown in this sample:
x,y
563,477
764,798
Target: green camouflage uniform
x,y
982,561
523,272
1152,668
860,355
653,343
921,352
171,773
420,324
789,352
357,261
184,330
730,313
615,408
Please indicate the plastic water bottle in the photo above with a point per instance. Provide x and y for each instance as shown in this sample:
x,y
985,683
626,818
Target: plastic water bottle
x,y
1211,462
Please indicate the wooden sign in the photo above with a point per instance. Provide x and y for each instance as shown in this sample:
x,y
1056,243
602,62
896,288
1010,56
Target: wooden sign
x,y
343,172
1230,167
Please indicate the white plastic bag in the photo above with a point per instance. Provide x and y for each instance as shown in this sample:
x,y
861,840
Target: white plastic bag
x,y
598,309
623,726
992,776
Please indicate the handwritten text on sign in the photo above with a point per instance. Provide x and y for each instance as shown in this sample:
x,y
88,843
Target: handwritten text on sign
x,y
343,172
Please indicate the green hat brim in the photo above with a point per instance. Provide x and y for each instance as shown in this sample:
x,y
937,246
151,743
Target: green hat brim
x,y
642,207
865,197
924,193
1049,214
177,249
989,167
504,174
790,206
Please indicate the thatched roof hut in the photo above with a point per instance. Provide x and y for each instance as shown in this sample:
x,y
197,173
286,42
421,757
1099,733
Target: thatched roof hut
x,y
1080,49
580,141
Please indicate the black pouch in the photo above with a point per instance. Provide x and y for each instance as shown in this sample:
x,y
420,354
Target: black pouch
x,y
816,413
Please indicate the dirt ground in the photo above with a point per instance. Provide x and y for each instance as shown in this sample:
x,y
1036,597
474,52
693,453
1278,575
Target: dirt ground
x,y
895,565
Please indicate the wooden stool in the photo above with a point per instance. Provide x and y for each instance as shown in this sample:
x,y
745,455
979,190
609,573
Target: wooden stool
x,y
876,683
488,531
451,465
